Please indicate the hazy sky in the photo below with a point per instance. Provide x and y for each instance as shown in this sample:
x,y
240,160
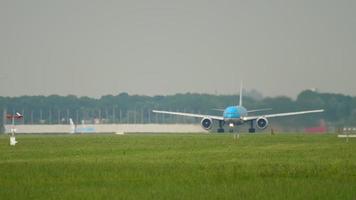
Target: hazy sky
x,y
94,48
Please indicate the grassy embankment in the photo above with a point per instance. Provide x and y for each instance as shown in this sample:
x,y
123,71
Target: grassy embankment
x,y
173,166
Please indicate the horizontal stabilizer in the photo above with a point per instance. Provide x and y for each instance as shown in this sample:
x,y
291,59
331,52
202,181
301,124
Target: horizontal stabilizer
x,y
259,110
218,109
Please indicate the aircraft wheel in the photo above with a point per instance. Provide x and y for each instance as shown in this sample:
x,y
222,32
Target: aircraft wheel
x,y
251,130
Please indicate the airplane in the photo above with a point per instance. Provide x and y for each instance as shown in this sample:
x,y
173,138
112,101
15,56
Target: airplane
x,y
237,115
16,116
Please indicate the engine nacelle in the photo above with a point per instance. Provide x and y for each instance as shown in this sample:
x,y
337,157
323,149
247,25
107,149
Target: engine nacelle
x,y
261,122
206,123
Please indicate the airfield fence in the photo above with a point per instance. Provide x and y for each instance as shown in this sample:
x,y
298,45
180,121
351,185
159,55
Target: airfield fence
x,y
98,116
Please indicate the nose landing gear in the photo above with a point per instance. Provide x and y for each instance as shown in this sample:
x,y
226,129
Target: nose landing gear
x,y
231,125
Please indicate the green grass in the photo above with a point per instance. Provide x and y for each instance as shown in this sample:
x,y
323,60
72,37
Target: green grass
x,y
173,166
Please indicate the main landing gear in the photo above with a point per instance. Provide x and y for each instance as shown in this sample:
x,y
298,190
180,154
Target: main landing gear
x,y
251,129
220,129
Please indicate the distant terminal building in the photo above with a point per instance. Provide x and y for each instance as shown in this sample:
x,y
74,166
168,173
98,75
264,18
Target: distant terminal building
x,y
108,128
346,130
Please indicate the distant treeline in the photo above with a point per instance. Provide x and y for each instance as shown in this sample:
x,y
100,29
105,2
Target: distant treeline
x,y
340,110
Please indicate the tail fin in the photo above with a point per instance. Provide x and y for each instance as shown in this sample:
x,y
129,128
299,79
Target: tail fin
x,y
71,121
240,103
72,126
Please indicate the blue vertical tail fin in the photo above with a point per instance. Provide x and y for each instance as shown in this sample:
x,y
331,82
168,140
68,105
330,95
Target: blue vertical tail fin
x,y
240,103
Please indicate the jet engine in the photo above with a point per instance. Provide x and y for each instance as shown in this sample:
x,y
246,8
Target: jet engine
x,y
261,122
206,123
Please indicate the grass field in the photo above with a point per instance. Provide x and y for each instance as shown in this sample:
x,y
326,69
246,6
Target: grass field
x,y
178,166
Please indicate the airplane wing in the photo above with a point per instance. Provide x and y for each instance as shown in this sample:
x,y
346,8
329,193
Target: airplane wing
x,y
249,118
189,114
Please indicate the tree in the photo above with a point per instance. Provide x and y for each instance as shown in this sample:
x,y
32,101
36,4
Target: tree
x,y
339,109
2,128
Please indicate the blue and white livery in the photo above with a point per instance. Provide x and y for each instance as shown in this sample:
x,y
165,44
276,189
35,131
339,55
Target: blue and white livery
x,y
237,115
